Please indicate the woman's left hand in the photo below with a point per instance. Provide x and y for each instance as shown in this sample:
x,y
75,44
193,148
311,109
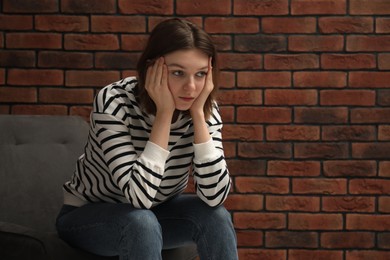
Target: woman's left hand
x,y
198,105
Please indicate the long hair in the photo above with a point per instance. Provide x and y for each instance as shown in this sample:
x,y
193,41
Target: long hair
x,y
169,36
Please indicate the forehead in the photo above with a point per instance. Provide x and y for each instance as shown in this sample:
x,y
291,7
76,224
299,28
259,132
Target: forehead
x,y
189,59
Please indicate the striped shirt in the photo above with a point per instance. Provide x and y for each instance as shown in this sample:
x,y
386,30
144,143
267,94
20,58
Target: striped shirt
x,y
121,165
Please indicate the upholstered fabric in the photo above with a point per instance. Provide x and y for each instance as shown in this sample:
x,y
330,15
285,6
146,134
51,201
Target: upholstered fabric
x,y
37,155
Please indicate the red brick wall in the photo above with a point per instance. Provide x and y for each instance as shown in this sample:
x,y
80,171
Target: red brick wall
x,y
305,100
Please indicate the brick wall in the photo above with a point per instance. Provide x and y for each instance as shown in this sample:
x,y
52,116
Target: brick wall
x,y
305,100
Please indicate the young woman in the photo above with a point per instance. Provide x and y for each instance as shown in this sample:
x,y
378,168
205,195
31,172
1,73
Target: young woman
x,y
147,135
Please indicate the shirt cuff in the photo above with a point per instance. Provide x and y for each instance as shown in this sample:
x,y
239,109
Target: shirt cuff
x,y
204,151
155,153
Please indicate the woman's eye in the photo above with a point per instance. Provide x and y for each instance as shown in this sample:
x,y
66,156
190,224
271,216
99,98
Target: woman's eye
x,y
201,74
177,73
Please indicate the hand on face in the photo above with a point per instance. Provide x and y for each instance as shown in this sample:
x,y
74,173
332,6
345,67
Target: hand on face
x,y
156,84
198,105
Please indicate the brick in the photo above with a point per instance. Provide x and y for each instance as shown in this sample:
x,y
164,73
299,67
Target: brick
x,y
292,132
364,7
288,25
263,115
262,185
239,167
34,40
67,60
314,43
364,43
154,20
384,204
18,95
291,239
136,42
161,7
2,76
384,240
365,79
227,114
83,111
367,254
230,149
91,42
11,58
249,220
227,80
117,60
320,79
61,23
302,7
39,110
384,61
66,96
346,25
371,150
239,61
333,240
293,168
191,7
242,132
37,77
264,254
259,43
370,115
231,25
264,150
262,8
4,109
292,203
320,150
290,97
382,25
249,238
248,79
348,133
222,42
291,61
347,97
2,40
316,115
350,168
299,254
125,24
384,169
240,97
369,186
16,22
88,6
384,133
244,202
368,222
75,78
319,186
348,61
307,221
348,204
30,6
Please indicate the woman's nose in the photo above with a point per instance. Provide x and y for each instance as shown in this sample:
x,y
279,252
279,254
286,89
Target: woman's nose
x,y
190,83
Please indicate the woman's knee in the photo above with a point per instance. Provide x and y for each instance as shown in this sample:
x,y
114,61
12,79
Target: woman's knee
x,y
142,222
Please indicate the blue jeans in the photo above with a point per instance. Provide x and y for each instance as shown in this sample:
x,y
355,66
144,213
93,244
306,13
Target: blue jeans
x,y
110,229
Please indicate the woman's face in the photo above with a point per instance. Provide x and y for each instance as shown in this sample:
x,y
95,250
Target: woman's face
x,y
187,71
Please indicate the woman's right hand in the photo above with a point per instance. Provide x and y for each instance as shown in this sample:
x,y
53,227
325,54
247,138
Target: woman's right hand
x,y
156,84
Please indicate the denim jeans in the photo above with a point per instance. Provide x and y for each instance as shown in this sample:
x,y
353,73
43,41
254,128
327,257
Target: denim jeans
x,y
110,229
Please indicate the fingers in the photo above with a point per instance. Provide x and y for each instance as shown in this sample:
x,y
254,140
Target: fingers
x,y
154,73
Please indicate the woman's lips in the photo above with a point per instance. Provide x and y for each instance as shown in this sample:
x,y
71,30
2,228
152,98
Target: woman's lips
x,y
187,99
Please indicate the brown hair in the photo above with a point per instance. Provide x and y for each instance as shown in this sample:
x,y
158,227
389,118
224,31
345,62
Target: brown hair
x,y
169,36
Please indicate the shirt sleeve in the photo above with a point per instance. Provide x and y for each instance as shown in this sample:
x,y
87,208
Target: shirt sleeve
x,y
138,175
210,171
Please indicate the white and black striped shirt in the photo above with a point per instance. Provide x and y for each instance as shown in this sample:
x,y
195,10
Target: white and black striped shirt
x,y
121,165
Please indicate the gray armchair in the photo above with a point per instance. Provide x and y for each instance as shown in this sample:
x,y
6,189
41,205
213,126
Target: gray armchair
x,y
37,155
